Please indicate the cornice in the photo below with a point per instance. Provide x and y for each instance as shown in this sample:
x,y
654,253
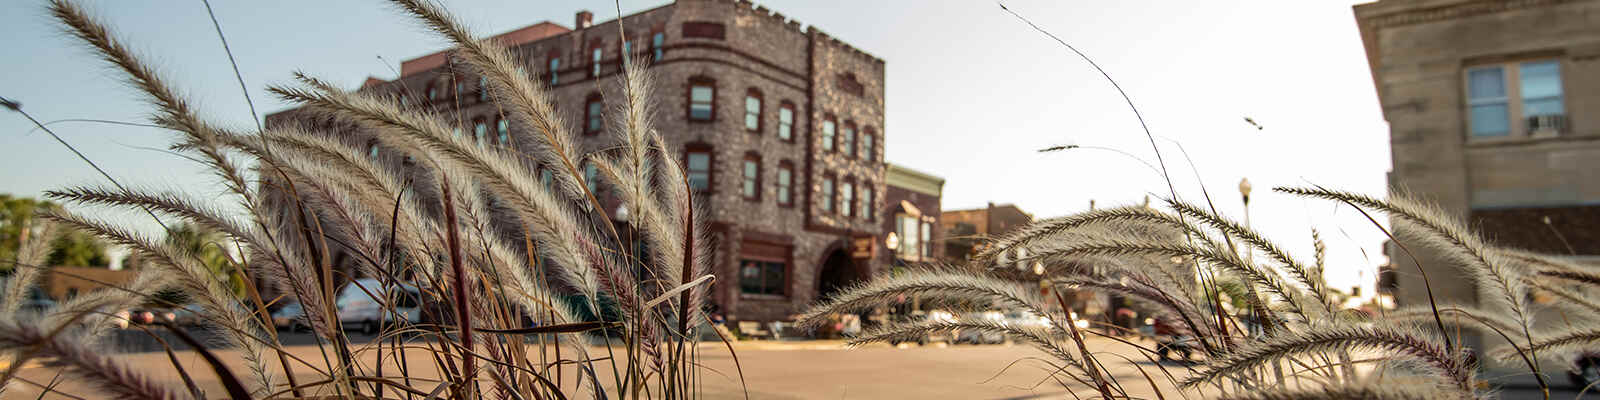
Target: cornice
x,y
1456,11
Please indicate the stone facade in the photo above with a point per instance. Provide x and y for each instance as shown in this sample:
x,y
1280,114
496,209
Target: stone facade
x,y
1430,61
739,49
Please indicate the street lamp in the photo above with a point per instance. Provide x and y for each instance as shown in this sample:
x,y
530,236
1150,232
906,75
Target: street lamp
x,y
1244,192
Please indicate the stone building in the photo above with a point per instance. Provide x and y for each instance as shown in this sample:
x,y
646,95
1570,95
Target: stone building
x,y
781,128
1494,114
966,229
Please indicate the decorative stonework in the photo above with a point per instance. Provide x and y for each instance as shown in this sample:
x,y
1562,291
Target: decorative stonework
x,y
1455,11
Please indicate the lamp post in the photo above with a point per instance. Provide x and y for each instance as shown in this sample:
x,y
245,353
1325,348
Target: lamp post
x,y
1244,193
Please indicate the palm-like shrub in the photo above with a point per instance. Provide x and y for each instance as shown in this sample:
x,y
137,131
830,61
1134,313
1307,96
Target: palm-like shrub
x,y
306,196
1177,259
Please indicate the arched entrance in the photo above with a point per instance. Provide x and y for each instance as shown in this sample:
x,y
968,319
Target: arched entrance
x,y
839,271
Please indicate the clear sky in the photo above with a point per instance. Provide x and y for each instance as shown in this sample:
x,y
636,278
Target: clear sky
x,y
972,93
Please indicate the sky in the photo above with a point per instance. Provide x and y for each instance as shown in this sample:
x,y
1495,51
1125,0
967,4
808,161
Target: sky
x,y
972,94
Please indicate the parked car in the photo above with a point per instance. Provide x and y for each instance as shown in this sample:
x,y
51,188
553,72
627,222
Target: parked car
x,y
291,316
932,315
188,315
359,309
975,336
1585,370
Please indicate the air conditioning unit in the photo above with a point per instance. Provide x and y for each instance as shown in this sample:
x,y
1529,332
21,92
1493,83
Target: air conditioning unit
x,y
1547,125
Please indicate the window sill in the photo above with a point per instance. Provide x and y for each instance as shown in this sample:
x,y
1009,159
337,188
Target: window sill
x,y
763,297
1506,141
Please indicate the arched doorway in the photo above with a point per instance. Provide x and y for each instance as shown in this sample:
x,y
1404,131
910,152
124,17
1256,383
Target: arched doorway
x,y
838,272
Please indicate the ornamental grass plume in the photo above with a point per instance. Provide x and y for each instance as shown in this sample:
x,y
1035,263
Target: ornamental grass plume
x,y
525,275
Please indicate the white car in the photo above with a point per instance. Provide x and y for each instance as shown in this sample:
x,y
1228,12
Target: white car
x,y
358,308
975,336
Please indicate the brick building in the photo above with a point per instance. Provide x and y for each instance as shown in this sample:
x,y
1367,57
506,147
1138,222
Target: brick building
x,y
966,229
1494,114
913,203
781,129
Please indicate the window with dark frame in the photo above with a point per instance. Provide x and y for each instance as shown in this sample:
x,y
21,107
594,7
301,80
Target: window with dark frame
x,y
847,139
827,194
433,91
785,183
752,110
704,30
786,121
593,114
868,203
502,129
697,160
750,185
657,40
594,60
483,88
480,131
372,149
847,197
869,149
555,68
828,132
591,176
762,277
702,99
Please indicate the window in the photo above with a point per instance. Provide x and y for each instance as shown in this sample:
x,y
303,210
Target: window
x,y
868,204
404,101
752,111
461,87
827,133
761,277
927,239
906,227
847,198
555,69
591,176
750,186
656,40
849,84
702,99
483,89
786,121
480,130
703,30
547,177
698,160
433,91
1491,111
847,139
593,111
827,194
372,150
502,129
868,150
456,131
785,183
594,60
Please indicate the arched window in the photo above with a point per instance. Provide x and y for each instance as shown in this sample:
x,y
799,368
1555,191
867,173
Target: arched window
x,y
502,129
593,114
828,133
786,121
702,99
847,197
785,183
868,202
827,194
480,130
847,139
752,110
750,171
869,139
697,160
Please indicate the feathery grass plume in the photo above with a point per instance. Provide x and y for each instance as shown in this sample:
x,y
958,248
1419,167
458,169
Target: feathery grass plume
x,y
241,330
1466,316
169,202
1043,230
930,282
1301,273
1410,344
86,362
1578,302
29,265
1572,340
913,331
530,104
1365,390
96,306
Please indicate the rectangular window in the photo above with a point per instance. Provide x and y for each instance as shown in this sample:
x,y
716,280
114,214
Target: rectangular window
x,y
1486,93
761,277
867,206
847,140
701,97
927,239
703,30
752,113
785,181
867,151
847,197
1541,89
786,123
752,173
591,176
483,88
656,41
595,61
596,121
827,195
699,170
906,227
547,177
555,71
503,130
827,135
480,131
